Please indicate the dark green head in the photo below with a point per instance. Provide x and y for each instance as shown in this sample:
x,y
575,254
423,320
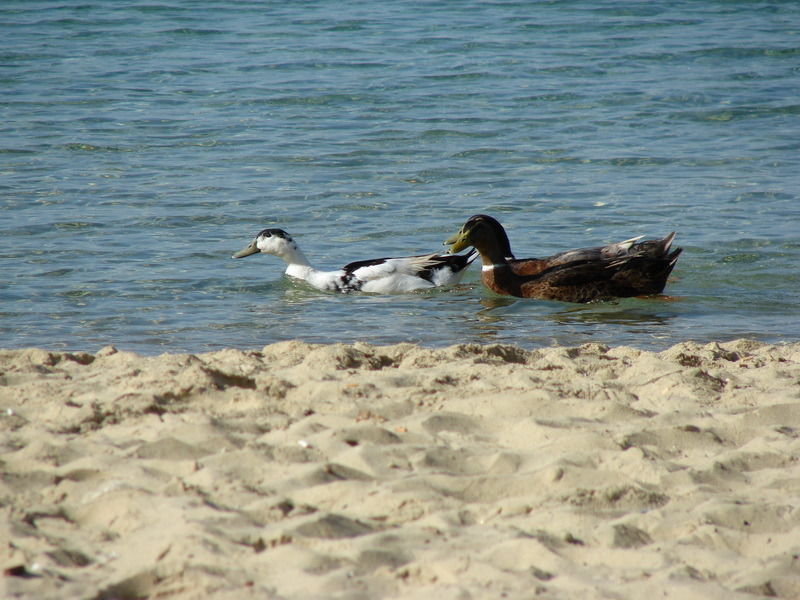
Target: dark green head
x,y
482,232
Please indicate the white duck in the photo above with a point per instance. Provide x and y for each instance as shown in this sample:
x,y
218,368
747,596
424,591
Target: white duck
x,y
379,275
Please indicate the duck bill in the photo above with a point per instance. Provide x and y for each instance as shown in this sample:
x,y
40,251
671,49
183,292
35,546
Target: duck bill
x,y
250,249
457,242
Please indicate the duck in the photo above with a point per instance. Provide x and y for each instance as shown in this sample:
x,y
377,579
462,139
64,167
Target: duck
x,y
634,267
377,275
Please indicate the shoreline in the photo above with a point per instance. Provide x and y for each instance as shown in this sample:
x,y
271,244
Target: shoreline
x,y
318,470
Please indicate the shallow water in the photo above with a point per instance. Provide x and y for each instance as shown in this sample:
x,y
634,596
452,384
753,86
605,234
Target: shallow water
x,y
141,145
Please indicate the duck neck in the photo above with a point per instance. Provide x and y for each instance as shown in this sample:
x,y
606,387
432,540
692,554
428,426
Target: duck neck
x,y
493,256
295,256
297,265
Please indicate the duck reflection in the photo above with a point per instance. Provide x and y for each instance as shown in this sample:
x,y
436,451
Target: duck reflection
x,y
499,317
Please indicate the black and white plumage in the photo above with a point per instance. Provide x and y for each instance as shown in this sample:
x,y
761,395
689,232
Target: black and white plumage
x,y
378,275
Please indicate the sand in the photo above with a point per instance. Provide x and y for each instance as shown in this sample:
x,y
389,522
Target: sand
x,y
357,471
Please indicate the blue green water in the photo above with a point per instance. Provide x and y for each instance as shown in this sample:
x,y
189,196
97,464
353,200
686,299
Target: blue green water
x,y
141,143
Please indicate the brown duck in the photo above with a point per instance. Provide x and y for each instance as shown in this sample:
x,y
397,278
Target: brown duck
x,y
629,268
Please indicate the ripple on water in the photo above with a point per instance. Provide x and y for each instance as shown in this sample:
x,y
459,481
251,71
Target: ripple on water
x,y
143,144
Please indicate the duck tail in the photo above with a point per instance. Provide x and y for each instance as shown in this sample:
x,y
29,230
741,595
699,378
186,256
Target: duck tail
x,y
673,258
667,242
670,257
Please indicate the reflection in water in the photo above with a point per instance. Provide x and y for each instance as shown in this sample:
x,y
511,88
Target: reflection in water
x,y
491,324
537,322
493,302
614,314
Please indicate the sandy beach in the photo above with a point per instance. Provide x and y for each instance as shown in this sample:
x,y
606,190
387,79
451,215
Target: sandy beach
x,y
357,471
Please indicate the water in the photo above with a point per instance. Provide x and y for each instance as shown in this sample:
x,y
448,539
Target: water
x,y
142,143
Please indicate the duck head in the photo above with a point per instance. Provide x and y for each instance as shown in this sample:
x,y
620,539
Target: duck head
x,y
483,233
270,241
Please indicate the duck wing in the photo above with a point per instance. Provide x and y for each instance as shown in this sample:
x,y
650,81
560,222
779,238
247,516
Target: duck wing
x,y
618,253
534,266
625,269
423,265
448,268
385,267
577,281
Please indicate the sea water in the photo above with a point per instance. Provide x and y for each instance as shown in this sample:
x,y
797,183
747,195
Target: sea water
x,y
142,143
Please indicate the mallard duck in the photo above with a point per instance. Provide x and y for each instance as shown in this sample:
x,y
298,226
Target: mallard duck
x,y
629,268
379,275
